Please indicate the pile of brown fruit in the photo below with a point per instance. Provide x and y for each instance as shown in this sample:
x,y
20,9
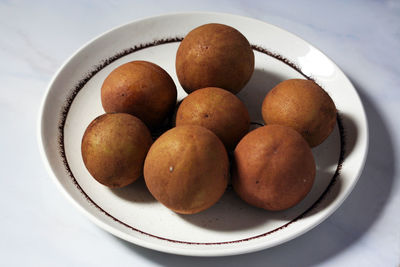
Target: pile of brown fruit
x,y
187,167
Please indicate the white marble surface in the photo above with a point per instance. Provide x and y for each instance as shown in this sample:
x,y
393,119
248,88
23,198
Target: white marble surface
x,y
39,227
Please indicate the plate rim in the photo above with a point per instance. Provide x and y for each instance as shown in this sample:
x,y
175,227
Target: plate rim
x,y
189,251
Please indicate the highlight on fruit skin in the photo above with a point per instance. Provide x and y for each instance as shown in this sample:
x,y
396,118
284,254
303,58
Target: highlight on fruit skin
x,y
302,105
187,169
217,110
114,147
273,168
214,55
142,89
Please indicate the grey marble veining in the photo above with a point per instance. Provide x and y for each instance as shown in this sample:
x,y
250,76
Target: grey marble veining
x,y
39,227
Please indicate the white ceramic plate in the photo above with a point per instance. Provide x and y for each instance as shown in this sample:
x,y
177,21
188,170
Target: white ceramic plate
x,y
230,227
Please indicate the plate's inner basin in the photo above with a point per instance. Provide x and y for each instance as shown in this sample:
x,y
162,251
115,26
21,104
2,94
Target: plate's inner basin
x,y
230,219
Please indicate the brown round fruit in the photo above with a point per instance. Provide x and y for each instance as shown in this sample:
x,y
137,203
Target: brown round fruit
x,y
187,169
114,147
217,110
302,105
142,89
274,168
214,55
